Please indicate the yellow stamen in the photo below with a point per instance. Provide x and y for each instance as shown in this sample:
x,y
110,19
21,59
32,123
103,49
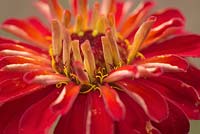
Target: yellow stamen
x,y
75,77
140,55
114,47
95,15
140,36
79,26
111,22
100,25
89,61
92,87
56,38
59,84
66,50
106,52
76,51
53,62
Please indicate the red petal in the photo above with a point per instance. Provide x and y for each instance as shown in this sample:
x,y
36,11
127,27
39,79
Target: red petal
x,y
133,71
35,22
133,20
66,98
167,15
113,104
163,31
74,122
182,94
20,60
167,62
43,77
184,45
191,77
39,118
18,47
135,119
4,40
15,87
147,98
177,122
11,112
26,31
101,122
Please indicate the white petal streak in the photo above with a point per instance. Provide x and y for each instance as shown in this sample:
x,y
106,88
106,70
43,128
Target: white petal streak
x,y
47,79
136,98
60,97
14,52
164,66
118,75
25,54
20,67
88,122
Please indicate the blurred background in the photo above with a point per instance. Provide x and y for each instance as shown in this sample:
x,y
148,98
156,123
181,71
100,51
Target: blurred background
x,y
190,8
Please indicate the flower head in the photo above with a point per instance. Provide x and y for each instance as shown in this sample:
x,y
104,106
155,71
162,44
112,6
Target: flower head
x,y
99,70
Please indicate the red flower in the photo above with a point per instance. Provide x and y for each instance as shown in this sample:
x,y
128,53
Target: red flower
x,y
99,71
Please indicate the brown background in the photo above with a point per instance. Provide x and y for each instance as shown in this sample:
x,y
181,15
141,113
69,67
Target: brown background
x,y
191,9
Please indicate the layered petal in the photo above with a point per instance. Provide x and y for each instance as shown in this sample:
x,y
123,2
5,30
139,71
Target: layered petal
x,y
135,119
181,93
100,121
188,45
177,122
10,118
113,104
132,22
147,98
39,117
168,63
27,31
75,121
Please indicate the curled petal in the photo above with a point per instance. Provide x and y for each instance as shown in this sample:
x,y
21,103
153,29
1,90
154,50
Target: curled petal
x,y
166,62
132,71
43,78
65,100
114,105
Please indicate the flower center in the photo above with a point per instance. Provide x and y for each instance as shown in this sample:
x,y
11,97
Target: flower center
x,y
87,56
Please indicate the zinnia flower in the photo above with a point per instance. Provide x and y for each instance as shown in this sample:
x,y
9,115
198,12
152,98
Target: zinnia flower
x,y
99,71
